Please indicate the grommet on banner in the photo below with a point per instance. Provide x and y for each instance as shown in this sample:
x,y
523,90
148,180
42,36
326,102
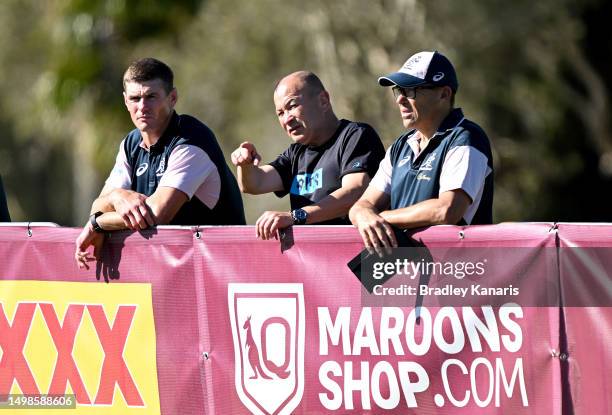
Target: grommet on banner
x,y
197,234
29,230
205,355
553,228
563,356
461,235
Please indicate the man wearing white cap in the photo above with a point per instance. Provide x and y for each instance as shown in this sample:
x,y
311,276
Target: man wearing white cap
x,y
440,171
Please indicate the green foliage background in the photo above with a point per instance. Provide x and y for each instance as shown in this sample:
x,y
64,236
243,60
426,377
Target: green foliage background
x,y
535,75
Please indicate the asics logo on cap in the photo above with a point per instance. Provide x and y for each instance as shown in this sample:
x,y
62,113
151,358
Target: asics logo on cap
x,y
438,76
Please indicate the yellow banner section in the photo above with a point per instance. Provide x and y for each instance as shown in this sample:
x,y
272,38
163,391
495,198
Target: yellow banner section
x,y
95,341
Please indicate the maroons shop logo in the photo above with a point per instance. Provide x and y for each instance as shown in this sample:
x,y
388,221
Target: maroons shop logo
x,y
268,332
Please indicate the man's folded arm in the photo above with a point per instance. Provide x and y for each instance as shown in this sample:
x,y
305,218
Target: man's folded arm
x,y
338,203
162,206
447,209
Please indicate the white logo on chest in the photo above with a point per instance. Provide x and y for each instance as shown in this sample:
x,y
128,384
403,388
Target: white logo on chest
x,y
142,168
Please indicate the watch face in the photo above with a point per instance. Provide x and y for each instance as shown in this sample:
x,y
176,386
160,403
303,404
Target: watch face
x,y
300,214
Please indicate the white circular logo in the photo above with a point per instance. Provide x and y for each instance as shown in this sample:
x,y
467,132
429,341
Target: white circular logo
x,y
438,76
142,168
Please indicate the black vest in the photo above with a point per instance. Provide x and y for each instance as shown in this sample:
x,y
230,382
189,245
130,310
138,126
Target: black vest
x,y
185,130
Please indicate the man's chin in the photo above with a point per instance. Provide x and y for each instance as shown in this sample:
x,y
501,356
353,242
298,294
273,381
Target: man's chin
x,y
298,138
408,124
143,126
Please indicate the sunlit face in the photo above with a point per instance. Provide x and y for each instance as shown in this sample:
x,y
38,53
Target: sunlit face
x,y
300,112
149,104
418,112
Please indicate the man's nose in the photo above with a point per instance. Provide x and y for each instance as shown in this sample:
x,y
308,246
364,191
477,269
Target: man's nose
x,y
288,117
142,104
401,99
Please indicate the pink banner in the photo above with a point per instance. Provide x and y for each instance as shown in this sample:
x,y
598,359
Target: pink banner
x,y
215,321
585,259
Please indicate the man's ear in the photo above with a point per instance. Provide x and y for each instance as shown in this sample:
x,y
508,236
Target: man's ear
x,y
125,99
173,97
324,100
446,92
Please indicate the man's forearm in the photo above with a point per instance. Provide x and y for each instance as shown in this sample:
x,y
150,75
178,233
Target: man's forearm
x,y
334,205
360,207
250,178
426,213
111,221
106,201
102,204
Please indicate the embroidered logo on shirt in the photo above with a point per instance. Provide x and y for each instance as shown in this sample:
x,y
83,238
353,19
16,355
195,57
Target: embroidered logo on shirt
x,y
161,169
422,176
427,164
305,184
356,164
403,161
142,168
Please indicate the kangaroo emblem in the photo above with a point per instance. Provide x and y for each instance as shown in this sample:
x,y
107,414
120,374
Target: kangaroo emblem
x,y
253,352
254,360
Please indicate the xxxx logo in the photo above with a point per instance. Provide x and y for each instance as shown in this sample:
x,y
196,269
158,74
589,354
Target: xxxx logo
x,y
268,333
96,342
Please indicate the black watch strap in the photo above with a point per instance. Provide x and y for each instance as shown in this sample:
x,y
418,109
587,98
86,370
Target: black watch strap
x,y
94,223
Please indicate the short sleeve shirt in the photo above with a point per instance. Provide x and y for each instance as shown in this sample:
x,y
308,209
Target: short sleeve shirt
x,y
458,156
187,157
311,173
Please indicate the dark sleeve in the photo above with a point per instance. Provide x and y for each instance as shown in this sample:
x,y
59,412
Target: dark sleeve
x,y
4,213
362,151
283,165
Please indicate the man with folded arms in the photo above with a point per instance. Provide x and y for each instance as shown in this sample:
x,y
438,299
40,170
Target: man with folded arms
x,y
169,170
439,172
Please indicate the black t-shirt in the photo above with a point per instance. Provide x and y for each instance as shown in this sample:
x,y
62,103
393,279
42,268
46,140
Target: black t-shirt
x,y
311,173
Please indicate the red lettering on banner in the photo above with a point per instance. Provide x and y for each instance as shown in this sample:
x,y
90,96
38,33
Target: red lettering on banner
x,y
63,337
13,365
114,369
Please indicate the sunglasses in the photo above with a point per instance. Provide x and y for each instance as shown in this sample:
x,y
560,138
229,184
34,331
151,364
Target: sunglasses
x,y
409,92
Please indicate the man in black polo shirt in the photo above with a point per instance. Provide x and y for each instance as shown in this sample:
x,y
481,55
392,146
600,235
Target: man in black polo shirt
x,y
325,170
169,170
440,171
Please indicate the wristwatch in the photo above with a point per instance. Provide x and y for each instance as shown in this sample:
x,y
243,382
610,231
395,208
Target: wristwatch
x,y
299,216
94,223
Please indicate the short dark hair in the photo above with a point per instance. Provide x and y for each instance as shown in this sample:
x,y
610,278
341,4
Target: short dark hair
x,y
148,69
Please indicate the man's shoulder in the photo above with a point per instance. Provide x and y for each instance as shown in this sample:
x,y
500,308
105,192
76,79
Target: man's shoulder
x,y
133,138
190,127
349,127
470,133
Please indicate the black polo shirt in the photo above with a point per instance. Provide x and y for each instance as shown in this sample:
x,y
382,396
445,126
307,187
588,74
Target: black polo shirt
x,y
311,173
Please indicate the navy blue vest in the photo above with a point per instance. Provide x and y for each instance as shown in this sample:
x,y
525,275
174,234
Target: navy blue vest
x,y
184,129
417,179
